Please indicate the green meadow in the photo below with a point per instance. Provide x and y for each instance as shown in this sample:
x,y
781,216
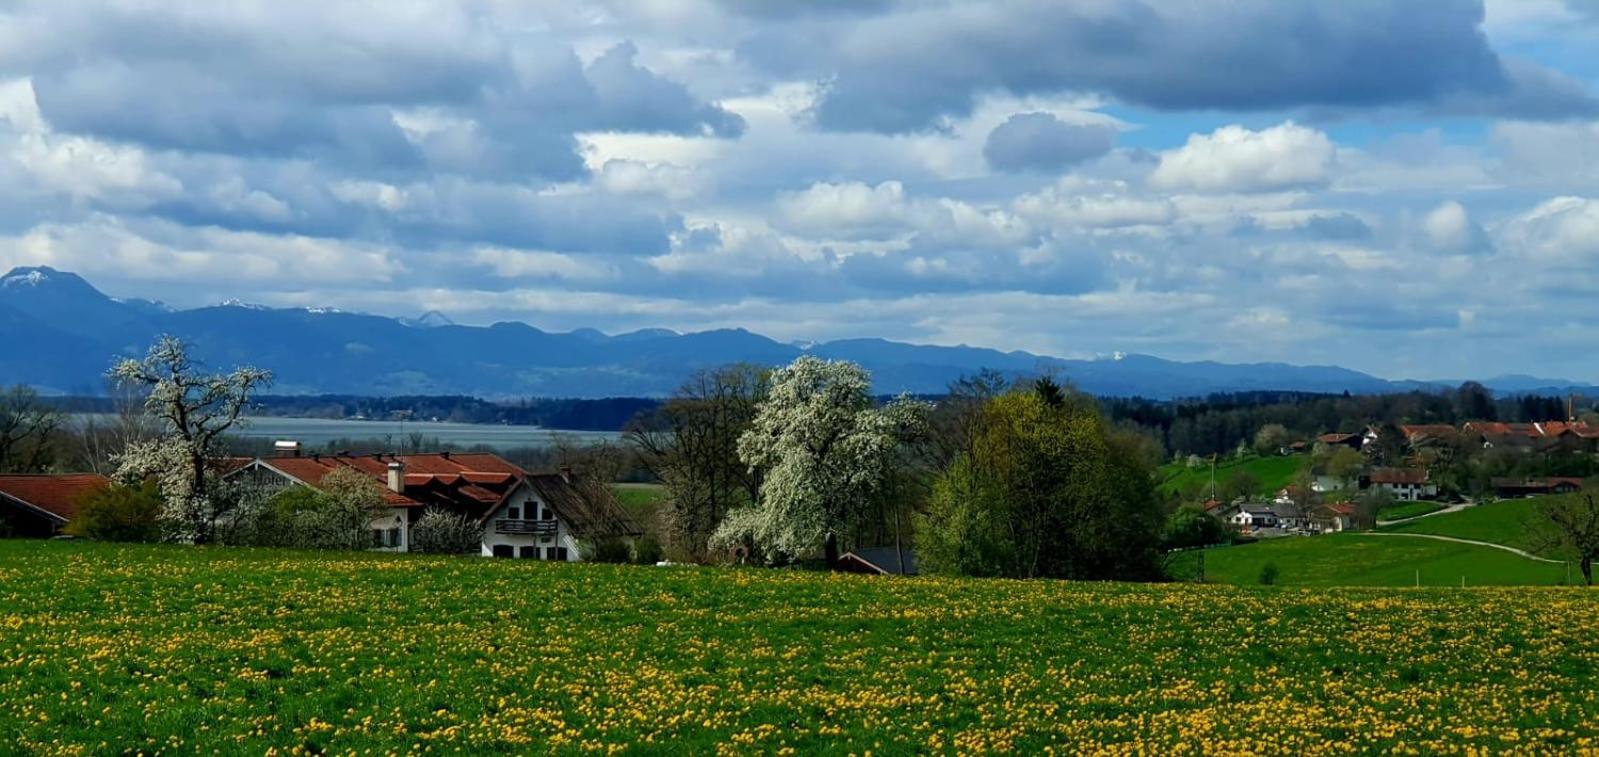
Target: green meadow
x,y
108,649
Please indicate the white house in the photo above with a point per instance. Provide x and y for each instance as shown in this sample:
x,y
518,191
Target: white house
x,y
1405,484
524,515
1253,517
547,516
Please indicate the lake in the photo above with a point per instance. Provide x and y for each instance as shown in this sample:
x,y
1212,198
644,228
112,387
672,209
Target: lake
x,y
315,432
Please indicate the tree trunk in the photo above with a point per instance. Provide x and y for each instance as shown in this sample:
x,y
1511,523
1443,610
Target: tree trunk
x,y
1587,569
830,550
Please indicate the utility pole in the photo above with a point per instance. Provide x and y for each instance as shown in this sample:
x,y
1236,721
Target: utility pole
x,y
1213,476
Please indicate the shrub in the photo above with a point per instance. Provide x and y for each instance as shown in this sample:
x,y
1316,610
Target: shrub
x,y
336,515
1268,574
119,513
647,550
443,532
610,550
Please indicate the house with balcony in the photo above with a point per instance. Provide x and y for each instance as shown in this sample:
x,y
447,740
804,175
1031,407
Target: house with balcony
x,y
545,516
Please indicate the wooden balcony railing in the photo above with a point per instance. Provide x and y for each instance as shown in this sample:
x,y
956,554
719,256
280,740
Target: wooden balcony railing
x,y
525,527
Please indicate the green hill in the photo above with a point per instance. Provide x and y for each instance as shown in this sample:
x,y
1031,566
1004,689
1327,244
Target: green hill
x,y
1366,560
184,650
1271,473
1496,522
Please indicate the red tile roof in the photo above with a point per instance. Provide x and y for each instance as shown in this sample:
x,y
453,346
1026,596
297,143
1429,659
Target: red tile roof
x,y
55,494
473,481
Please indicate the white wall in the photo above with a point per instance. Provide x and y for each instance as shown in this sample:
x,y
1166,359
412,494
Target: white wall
x,y
524,498
394,517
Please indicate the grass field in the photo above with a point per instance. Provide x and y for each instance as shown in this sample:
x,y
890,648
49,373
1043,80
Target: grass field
x,y
1408,510
1272,473
108,649
1497,522
1357,560
640,500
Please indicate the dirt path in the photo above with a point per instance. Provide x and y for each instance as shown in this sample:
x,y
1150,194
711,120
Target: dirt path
x,y
1512,550
1455,508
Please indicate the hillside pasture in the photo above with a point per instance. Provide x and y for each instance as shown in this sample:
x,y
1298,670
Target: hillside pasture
x,y
1367,560
1504,522
114,649
1271,473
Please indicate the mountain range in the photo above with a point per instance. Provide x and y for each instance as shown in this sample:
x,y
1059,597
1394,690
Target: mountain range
x,y
60,334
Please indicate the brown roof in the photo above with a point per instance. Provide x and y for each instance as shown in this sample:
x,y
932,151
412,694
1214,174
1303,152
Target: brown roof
x,y
1336,438
585,506
1547,482
1399,476
56,495
1341,508
1418,431
473,482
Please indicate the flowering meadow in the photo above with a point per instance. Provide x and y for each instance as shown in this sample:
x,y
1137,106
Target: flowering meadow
x,y
112,649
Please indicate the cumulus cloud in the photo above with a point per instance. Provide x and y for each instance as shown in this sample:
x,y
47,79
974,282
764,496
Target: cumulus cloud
x,y
909,69
934,170
1556,230
1235,159
1450,228
1042,142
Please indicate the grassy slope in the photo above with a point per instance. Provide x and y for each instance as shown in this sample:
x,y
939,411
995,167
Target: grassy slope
x,y
1355,560
640,500
238,651
1408,510
1497,522
1273,473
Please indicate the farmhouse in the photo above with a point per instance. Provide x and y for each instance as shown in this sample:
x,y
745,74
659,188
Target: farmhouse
x,y
1333,517
1252,517
1405,484
880,561
41,505
1515,488
526,515
1352,441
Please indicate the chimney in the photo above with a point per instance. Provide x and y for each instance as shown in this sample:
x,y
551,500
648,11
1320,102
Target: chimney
x,y
566,473
397,477
286,448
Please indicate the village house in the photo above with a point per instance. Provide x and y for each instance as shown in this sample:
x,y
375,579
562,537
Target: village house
x,y
41,505
1516,488
1333,517
1405,484
524,515
1352,441
879,561
1254,517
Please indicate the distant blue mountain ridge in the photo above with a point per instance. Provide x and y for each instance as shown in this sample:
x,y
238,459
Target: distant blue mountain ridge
x,y
60,334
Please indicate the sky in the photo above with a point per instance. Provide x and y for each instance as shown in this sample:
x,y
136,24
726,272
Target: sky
x,y
1405,188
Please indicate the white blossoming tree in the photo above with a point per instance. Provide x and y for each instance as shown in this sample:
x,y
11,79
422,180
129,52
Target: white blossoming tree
x,y
827,451
194,409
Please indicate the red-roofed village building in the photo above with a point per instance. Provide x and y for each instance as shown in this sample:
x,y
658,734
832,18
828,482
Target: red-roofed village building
x,y
544,516
41,504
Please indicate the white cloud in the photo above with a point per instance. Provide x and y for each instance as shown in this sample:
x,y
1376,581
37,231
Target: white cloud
x,y
1449,228
1561,229
1235,159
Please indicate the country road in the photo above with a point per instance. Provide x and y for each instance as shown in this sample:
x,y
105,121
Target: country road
x,y
1513,550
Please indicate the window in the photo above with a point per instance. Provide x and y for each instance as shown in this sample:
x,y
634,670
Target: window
x,y
546,514
514,513
394,537
560,553
377,537
529,553
504,550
